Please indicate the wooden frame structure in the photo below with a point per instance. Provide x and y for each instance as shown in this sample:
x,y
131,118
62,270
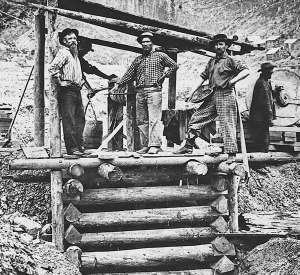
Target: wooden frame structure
x,y
78,190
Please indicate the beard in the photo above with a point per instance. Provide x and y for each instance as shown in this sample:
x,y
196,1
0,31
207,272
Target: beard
x,y
74,49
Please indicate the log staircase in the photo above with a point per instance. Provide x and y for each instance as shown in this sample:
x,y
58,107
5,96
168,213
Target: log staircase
x,y
158,225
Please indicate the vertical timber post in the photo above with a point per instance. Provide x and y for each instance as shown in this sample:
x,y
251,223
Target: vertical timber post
x,y
172,83
39,80
233,185
132,133
55,143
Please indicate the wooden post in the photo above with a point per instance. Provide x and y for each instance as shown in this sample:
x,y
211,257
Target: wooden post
x,y
39,82
172,84
115,116
132,132
233,202
55,143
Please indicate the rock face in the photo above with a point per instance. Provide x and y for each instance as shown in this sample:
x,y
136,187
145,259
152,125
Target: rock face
x,y
31,227
276,257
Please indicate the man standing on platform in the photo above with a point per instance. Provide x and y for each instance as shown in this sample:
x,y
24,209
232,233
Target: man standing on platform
x,y
66,72
148,72
223,72
262,110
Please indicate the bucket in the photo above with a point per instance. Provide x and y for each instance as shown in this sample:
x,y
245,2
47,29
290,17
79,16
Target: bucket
x,y
92,134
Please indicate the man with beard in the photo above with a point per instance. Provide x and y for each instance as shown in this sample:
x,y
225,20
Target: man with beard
x,y
66,72
148,72
262,110
223,72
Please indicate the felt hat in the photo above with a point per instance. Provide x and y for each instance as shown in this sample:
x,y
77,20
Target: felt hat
x,y
64,33
143,35
266,65
220,38
85,44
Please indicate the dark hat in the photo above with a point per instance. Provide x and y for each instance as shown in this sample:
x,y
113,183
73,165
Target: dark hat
x,y
266,65
220,38
64,33
143,35
85,43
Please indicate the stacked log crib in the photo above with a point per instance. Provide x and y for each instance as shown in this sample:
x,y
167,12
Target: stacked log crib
x,y
161,226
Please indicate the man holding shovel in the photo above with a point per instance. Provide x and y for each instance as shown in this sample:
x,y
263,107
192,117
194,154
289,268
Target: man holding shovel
x,y
223,72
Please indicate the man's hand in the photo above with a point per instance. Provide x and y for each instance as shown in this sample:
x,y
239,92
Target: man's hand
x,y
114,89
65,83
161,80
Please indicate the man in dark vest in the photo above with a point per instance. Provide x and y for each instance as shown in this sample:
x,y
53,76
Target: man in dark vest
x,y
262,109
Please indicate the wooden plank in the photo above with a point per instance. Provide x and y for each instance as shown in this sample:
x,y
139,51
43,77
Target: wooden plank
x,y
181,272
35,152
285,129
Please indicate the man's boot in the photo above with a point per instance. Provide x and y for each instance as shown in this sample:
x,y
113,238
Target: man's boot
x,y
187,148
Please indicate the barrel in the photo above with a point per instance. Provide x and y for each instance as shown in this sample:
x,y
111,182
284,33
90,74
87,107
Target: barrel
x,y
92,135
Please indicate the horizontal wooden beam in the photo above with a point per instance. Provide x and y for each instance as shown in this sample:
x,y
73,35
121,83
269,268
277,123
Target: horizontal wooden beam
x,y
96,240
60,163
177,215
144,194
181,272
151,257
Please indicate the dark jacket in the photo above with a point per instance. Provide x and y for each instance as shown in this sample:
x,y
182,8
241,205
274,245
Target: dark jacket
x,y
262,106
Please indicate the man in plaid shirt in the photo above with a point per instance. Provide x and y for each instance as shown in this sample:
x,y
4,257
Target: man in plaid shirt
x,y
223,72
147,70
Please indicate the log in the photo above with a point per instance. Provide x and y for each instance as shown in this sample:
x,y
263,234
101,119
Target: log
x,y
72,236
194,214
153,257
76,170
71,213
96,240
220,225
274,222
220,204
222,245
39,80
60,163
110,172
73,254
73,188
218,182
196,168
181,272
57,210
145,194
233,168
224,265
234,181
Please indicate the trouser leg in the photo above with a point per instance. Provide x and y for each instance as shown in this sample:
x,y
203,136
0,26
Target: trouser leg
x,y
67,107
154,101
142,118
227,113
79,121
261,136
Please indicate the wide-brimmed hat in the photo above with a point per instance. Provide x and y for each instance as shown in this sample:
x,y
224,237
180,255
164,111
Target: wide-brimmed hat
x,y
64,33
266,65
143,35
220,38
85,43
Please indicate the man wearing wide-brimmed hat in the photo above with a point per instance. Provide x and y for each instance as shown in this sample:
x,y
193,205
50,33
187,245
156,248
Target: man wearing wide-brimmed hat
x,y
147,70
262,109
223,72
66,72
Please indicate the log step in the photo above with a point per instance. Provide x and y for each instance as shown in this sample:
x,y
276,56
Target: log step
x,y
164,216
181,272
143,195
114,261
92,240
